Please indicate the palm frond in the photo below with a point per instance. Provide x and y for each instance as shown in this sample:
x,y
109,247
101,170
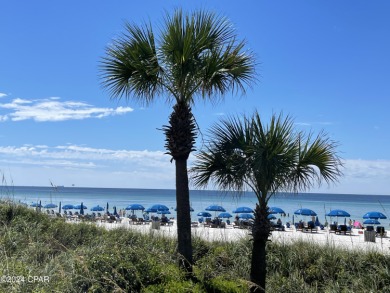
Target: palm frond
x,y
131,67
246,153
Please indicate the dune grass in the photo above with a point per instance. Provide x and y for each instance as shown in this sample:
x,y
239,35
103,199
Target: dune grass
x,y
86,258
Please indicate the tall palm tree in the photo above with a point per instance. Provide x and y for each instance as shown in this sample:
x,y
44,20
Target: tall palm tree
x,y
196,56
245,154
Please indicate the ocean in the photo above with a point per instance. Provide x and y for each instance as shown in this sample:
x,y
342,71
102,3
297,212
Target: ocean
x,y
355,204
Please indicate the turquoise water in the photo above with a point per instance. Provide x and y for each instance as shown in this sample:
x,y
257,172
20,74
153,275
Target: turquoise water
x,y
356,205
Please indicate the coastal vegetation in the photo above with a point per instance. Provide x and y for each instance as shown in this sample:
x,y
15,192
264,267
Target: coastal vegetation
x,y
194,56
246,154
42,254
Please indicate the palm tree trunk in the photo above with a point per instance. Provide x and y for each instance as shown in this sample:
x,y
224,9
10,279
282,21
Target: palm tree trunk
x,y
260,233
183,215
180,139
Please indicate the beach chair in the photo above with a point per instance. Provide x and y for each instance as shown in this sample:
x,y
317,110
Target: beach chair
x,y
333,228
194,224
207,223
344,230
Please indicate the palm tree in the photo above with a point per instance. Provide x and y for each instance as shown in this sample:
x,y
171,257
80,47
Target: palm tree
x,y
245,154
196,56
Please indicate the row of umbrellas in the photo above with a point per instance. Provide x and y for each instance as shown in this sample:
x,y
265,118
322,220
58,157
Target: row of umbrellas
x,y
244,212
371,217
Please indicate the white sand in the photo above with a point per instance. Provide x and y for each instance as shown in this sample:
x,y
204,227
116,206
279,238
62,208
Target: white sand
x,y
355,241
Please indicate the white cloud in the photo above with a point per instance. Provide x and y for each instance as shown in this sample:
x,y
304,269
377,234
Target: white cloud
x,y
2,95
100,167
53,109
87,166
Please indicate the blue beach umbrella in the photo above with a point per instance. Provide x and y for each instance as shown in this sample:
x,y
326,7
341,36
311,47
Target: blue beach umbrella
x,y
245,216
374,215
225,215
204,214
78,207
50,206
164,212
135,207
68,207
97,209
243,210
338,213
115,212
157,207
305,212
275,210
271,217
82,207
371,222
36,205
215,208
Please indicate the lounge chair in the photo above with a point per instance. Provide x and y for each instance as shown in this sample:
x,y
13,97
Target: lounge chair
x,y
344,230
333,228
236,224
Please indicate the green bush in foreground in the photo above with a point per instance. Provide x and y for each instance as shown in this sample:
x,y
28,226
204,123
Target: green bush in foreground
x,y
85,258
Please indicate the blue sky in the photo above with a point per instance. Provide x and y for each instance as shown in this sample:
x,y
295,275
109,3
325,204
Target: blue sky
x,y
326,63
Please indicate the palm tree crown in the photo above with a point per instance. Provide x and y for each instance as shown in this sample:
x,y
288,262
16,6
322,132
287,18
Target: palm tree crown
x,y
245,154
196,55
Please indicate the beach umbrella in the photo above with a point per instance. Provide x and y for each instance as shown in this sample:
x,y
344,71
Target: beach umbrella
x,y
245,216
338,213
305,212
68,207
164,212
374,215
204,214
157,207
81,207
275,210
224,215
50,206
36,205
135,207
271,217
243,210
371,222
115,211
215,208
317,222
78,207
97,209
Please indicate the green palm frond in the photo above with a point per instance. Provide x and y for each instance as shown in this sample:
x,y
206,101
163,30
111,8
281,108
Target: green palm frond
x,y
197,56
267,159
317,161
131,67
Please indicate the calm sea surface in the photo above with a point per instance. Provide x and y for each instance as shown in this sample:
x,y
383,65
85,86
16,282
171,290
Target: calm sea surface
x,y
321,203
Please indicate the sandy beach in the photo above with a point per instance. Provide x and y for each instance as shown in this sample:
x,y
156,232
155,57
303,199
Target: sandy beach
x,y
355,241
